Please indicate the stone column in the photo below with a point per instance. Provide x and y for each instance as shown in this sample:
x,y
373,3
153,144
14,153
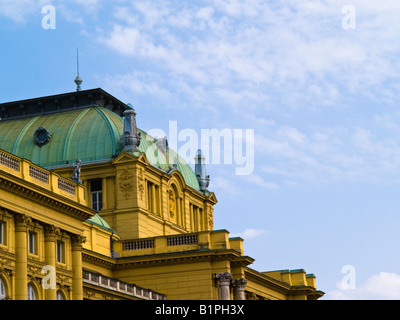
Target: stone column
x,y
104,193
21,263
239,286
77,279
50,240
224,285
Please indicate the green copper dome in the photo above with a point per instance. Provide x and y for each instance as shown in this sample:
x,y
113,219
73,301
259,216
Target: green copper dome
x,y
90,134
99,221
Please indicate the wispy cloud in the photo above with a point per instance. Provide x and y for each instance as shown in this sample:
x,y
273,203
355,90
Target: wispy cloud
x,y
18,11
294,49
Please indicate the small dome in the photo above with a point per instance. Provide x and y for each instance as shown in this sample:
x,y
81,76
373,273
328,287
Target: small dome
x,y
99,221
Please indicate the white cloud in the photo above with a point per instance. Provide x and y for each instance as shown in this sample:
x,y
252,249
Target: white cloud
x,y
224,185
383,286
249,233
19,10
258,181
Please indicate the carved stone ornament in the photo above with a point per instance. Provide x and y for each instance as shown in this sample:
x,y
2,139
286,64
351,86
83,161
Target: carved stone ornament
x,y
126,185
172,203
141,183
211,216
224,278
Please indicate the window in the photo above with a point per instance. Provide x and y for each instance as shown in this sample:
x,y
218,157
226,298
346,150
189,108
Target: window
x,y
32,242
2,290
197,218
60,251
150,197
31,293
2,235
59,296
97,195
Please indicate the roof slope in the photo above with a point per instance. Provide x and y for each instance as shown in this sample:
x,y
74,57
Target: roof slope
x,y
89,134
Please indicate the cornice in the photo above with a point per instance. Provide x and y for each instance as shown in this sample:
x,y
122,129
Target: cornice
x,y
282,287
98,259
310,292
267,281
176,258
51,200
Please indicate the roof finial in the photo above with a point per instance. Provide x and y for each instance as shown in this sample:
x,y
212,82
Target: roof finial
x,y
131,137
201,172
78,79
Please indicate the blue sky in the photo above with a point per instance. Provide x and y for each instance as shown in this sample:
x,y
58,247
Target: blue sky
x,y
317,81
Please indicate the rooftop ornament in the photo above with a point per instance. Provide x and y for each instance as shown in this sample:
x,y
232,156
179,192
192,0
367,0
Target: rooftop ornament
x,y
200,171
78,79
131,137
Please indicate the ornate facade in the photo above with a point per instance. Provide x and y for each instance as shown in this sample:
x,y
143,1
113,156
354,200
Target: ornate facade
x,y
91,207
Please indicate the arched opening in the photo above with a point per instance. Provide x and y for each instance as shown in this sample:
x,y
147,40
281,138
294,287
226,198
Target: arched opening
x,y
2,290
31,292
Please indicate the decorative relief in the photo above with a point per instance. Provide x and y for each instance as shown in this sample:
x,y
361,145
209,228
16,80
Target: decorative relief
x,y
126,184
141,183
210,216
172,203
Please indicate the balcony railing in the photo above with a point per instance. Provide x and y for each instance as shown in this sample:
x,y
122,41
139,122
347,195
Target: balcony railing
x,y
116,285
204,240
26,170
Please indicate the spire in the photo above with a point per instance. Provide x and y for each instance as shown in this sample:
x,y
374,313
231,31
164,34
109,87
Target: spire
x,y
200,171
78,79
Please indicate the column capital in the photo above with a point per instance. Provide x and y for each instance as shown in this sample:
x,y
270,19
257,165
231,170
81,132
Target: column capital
x,y
224,278
77,241
50,233
239,286
21,222
239,283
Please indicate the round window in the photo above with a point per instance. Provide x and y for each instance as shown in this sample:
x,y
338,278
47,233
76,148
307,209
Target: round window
x,y
42,136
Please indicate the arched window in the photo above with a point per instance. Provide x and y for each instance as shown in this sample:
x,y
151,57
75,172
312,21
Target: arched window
x,y
2,290
31,293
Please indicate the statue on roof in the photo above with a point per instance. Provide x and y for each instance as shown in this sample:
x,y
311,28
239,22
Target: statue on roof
x,y
76,175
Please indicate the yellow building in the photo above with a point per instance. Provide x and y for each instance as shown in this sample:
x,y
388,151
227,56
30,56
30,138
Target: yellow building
x,y
91,207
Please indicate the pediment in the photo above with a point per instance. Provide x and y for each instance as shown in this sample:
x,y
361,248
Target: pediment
x,y
128,156
211,197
